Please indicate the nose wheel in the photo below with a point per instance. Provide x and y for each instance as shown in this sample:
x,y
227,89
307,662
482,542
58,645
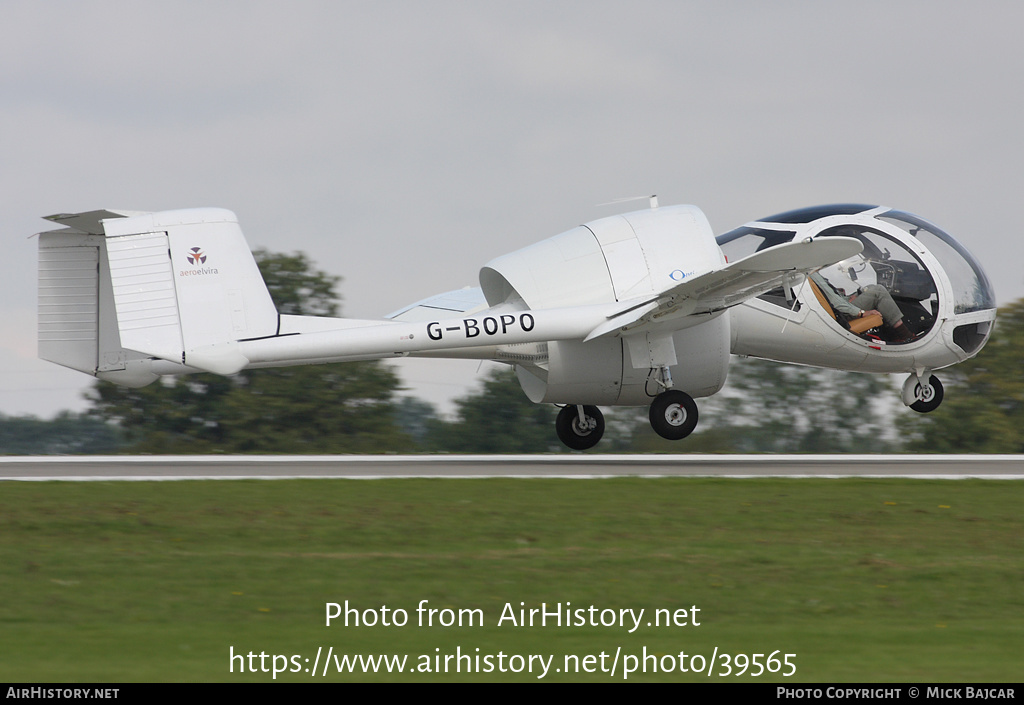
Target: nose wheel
x,y
673,415
922,395
579,427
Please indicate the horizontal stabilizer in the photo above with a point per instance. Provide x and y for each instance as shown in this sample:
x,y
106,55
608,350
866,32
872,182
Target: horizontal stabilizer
x,y
90,222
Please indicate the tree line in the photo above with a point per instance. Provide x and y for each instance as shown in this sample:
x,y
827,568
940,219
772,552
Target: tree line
x,y
358,407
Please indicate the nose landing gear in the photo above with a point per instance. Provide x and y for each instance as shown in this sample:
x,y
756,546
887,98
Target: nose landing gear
x,y
921,394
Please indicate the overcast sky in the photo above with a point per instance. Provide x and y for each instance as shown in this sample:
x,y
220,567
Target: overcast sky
x,y
404,144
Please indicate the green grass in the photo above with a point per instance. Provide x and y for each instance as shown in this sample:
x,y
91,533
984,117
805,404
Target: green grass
x,y
864,580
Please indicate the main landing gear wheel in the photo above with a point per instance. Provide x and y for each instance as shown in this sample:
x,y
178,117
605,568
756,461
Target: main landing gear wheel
x,y
577,434
673,415
928,395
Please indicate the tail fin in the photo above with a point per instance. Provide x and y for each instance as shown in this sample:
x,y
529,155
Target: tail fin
x,y
180,286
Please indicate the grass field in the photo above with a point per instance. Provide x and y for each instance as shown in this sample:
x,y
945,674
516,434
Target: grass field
x,y
863,580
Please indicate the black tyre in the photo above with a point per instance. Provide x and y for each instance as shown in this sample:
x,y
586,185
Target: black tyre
x,y
579,436
673,415
928,397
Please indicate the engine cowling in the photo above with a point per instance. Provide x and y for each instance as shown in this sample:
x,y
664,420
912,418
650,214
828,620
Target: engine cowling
x,y
619,258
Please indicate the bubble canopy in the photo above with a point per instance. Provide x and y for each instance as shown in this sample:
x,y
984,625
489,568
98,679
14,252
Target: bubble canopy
x,y
889,259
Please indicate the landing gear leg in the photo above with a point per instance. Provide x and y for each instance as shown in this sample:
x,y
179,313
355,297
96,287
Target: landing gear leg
x,y
579,427
666,377
673,415
921,393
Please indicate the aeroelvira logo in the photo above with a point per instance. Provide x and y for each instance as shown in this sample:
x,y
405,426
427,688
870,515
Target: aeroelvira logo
x,y
196,257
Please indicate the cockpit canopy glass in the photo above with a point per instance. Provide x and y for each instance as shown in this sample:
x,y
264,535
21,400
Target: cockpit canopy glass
x,y
886,276
971,288
886,269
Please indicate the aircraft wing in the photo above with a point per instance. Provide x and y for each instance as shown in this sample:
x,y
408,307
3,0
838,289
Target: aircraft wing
x,y
732,284
467,300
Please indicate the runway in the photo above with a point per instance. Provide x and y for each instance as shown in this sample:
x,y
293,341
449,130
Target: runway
x,y
377,467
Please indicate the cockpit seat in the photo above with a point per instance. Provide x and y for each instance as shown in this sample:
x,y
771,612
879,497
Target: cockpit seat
x,y
858,326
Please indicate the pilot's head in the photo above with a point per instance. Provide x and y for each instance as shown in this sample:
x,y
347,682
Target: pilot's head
x,y
851,274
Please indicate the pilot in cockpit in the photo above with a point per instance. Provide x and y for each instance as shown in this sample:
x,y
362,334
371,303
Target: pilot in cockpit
x,y
869,300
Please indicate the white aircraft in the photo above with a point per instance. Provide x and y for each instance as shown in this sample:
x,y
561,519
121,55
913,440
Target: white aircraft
x,y
634,309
